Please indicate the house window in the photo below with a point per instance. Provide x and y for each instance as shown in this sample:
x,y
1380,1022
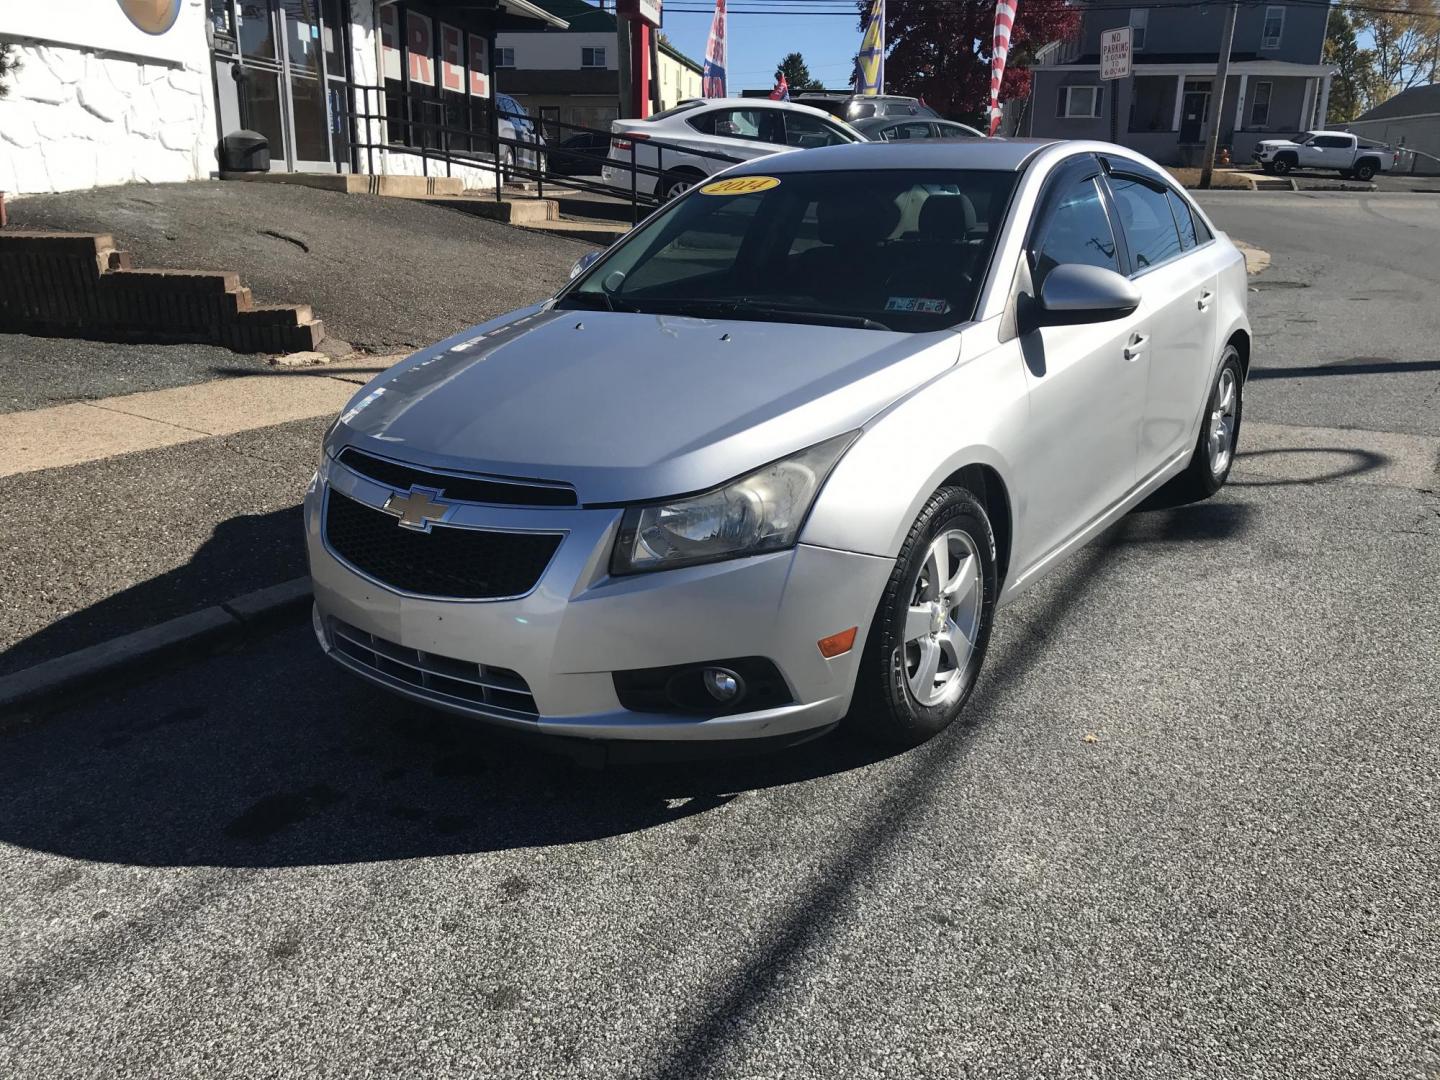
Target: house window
x,y
1139,21
1080,101
1259,105
1274,28
505,57
1152,103
592,57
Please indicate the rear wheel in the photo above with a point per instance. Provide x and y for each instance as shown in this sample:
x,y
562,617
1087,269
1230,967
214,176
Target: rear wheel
x,y
1365,170
678,182
1214,454
931,630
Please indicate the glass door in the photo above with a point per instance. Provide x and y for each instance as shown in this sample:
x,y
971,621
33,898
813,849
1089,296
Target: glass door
x,y
305,85
262,107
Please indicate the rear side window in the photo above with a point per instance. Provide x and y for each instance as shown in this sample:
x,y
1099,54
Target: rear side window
x,y
759,124
1077,231
1149,226
1181,209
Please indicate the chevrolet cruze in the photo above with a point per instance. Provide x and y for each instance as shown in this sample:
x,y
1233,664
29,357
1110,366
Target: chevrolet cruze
x,y
776,459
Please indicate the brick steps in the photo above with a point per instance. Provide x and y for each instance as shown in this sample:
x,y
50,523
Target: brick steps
x,y
81,285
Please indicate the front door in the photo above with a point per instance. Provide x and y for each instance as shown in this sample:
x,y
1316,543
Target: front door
x,y
292,59
1086,382
1194,111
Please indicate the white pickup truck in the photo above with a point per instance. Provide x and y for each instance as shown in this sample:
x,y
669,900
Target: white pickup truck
x,y
1340,151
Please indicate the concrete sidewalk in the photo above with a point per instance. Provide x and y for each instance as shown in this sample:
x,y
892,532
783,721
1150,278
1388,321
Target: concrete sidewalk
x,y
94,430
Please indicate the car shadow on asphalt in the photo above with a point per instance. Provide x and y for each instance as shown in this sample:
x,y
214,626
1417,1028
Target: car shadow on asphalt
x,y
269,755
242,553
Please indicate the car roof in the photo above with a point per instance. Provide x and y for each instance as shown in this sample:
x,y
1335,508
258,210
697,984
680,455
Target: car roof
x,y
1004,155
748,103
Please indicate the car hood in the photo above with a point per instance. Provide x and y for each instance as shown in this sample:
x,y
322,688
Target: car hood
x,y
632,406
1276,143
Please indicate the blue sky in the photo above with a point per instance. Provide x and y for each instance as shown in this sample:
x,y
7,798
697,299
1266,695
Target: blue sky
x,y
759,42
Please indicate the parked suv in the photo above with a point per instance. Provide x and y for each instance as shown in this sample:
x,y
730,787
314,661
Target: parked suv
x,y
1340,151
861,106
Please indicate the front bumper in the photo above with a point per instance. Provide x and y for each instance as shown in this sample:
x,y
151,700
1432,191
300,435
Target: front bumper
x,y
567,636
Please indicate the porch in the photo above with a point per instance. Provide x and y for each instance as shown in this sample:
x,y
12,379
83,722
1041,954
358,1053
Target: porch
x,y
1162,110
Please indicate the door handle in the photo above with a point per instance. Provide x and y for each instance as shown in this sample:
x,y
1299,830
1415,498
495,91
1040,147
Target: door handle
x,y
1136,346
1204,302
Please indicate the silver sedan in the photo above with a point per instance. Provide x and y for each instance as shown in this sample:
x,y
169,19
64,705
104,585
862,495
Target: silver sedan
x,y
776,459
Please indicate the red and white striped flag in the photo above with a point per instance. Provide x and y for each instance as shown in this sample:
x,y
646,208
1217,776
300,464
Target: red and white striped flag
x,y
1004,22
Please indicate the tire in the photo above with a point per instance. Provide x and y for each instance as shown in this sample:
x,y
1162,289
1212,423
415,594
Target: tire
x,y
1268,167
1283,165
1219,436
1347,174
886,708
507,164
1365,170
679,182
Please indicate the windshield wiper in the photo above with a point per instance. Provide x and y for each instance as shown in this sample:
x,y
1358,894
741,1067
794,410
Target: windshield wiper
x,y
594,301
746,308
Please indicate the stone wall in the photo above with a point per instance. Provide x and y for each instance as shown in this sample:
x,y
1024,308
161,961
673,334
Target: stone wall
x,y
77,118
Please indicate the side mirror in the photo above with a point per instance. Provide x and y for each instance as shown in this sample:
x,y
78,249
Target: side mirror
x,y
583,263
1076,293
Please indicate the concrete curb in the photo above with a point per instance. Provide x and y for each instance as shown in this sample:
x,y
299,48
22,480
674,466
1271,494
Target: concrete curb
x,y
34,687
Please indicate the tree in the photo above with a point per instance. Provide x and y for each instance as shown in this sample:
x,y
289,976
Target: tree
x,y
8,66
797,74
1354,83
1406,35
941,51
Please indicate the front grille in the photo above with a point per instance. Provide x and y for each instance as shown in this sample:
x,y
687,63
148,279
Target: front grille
x,y
497,689
461,564
474,489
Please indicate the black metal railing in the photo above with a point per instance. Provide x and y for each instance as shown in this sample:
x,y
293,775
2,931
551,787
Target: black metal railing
x,y
390,125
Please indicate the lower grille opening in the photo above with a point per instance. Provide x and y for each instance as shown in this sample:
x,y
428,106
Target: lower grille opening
x,y
494,689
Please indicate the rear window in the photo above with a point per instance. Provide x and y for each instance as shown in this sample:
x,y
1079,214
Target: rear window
x,y
898,250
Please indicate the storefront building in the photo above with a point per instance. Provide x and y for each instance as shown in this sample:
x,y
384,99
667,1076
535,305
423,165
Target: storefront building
x,y
115,91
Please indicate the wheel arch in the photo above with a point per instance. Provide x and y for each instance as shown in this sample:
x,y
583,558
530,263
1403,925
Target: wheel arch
x,y
987,485
1240,338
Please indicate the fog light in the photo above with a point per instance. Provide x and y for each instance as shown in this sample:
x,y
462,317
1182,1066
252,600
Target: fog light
x,y
723,685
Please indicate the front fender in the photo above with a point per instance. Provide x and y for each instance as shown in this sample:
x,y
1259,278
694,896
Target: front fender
x,y
969,415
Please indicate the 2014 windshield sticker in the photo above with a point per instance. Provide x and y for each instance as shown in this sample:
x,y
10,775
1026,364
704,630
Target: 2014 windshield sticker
x,y
923,305
741,185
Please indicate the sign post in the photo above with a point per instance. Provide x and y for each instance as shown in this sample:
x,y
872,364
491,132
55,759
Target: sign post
x,y
1115,65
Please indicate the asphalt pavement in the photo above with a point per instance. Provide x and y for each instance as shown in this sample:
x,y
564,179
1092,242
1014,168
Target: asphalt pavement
x,y
384,274
1189,827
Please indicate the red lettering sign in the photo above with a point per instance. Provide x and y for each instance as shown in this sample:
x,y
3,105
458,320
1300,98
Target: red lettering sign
x,y
479,52
452,59
420,39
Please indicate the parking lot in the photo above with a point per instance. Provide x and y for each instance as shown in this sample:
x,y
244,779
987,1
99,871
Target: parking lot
x,y
1189,827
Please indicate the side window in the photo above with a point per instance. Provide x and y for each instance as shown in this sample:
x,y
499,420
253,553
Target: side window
x,y
1076,231
1332,142
956,131
810,131
1183,218
1145,216
738,124
910,130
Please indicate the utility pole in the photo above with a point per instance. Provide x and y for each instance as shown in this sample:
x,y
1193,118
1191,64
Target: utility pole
x,y
1217,97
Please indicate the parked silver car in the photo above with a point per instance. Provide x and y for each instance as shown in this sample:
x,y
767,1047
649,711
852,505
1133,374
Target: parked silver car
x,y
777,458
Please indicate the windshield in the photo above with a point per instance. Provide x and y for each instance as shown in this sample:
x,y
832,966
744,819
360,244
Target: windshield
x,y
883,250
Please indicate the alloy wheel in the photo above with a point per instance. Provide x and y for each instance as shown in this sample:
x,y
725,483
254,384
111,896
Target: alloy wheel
x,y
1222,422
942,622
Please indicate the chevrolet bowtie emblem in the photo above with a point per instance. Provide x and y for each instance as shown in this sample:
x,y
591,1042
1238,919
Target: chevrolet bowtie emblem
x,y
417,509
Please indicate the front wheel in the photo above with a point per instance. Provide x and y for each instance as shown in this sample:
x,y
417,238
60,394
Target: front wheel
x,y
1214,454
1283,165
932,627
1268,167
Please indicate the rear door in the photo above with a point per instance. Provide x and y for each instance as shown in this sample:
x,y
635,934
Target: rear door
x,y
1177,286
1087,393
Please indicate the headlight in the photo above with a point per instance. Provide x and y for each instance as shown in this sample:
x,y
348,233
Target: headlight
x,y
759,512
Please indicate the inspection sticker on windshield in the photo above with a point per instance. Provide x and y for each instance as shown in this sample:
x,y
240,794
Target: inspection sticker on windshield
x,y
923,304
741,185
